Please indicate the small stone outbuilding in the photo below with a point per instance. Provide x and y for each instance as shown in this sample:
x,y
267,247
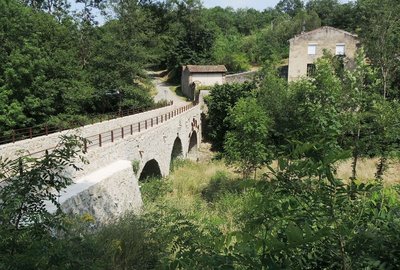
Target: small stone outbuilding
x,y
195,75
309,46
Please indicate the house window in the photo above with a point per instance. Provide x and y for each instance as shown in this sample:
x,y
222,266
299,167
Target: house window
x,y
340,49
312,49
310,70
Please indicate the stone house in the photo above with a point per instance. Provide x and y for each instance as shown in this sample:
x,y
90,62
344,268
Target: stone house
x,y
307,47
195,75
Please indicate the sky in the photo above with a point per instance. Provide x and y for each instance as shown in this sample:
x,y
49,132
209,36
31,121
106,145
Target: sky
x,y
256,4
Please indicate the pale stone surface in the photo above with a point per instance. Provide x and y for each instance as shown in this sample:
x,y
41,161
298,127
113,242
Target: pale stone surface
x,y
240,77
107,187
12,150
107,193
325,38
115,188
202,103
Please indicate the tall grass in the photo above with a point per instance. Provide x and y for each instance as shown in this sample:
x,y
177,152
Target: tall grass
x,y
196,215
190,178
366,169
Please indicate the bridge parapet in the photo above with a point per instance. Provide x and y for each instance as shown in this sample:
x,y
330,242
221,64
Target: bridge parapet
x,y
98,133
21,134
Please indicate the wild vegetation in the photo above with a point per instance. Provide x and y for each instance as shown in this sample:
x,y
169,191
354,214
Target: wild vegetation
x,y
204,216
57,65
296,214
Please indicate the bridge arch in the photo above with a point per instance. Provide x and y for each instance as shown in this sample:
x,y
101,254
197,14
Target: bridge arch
x,y
151,169
177,149
192,150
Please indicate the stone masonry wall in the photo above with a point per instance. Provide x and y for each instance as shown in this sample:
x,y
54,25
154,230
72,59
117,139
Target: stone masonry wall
x,y
240,77
109,199
107,187
12,150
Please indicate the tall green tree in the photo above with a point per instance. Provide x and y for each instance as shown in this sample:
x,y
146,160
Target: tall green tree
x,y
386,133
227,50
120,52
360,92
290,7
245,143
380,34
221,99
39,67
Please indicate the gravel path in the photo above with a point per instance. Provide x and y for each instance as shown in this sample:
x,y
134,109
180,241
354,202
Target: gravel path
x,y
164,92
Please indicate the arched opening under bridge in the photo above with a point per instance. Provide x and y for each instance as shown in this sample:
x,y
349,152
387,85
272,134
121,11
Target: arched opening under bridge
x,y
176,153
151,170
192,151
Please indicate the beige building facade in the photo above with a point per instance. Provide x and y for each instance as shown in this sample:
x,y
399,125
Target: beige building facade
x,y
307,47
195,75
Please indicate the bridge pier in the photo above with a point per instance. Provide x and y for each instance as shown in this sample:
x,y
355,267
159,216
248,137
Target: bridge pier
x,y
105,194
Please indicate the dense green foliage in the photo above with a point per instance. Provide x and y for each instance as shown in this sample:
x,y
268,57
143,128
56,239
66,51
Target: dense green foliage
x,y
221,100
283,220
28,186
55,66
245,142
59,68
331,114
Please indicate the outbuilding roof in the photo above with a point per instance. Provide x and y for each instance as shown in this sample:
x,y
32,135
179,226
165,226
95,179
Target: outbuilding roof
x,y
324,28
207,68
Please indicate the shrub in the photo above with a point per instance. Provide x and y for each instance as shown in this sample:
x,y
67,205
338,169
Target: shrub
x,y
154,189
135,166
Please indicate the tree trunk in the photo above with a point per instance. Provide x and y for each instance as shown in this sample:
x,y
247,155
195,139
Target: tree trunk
x,y
354,165
355,157
381,167
385,78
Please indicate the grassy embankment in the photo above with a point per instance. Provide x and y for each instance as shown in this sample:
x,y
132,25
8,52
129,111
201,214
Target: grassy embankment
x,y
190,218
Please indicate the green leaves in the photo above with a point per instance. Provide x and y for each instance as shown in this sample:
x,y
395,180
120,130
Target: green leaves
x,y
27,185
228,50
54,68
245,143
222,98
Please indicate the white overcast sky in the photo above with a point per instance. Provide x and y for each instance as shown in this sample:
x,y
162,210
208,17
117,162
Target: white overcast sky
x,y
256,4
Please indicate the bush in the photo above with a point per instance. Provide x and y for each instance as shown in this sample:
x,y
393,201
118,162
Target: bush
x,y
220,185
135,166
154,189
221,99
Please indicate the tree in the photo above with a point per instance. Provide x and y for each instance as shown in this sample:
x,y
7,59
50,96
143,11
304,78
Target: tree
x,y
380,34
359,94
290,7
27,184
313,122
227,51
326,10
120,51
273,95
386,133
38,67
245,144
219,102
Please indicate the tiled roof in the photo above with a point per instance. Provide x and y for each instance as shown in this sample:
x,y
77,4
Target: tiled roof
x,y
326,28
207,69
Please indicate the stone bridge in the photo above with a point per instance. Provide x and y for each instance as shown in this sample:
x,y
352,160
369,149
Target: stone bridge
x,y
122,152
